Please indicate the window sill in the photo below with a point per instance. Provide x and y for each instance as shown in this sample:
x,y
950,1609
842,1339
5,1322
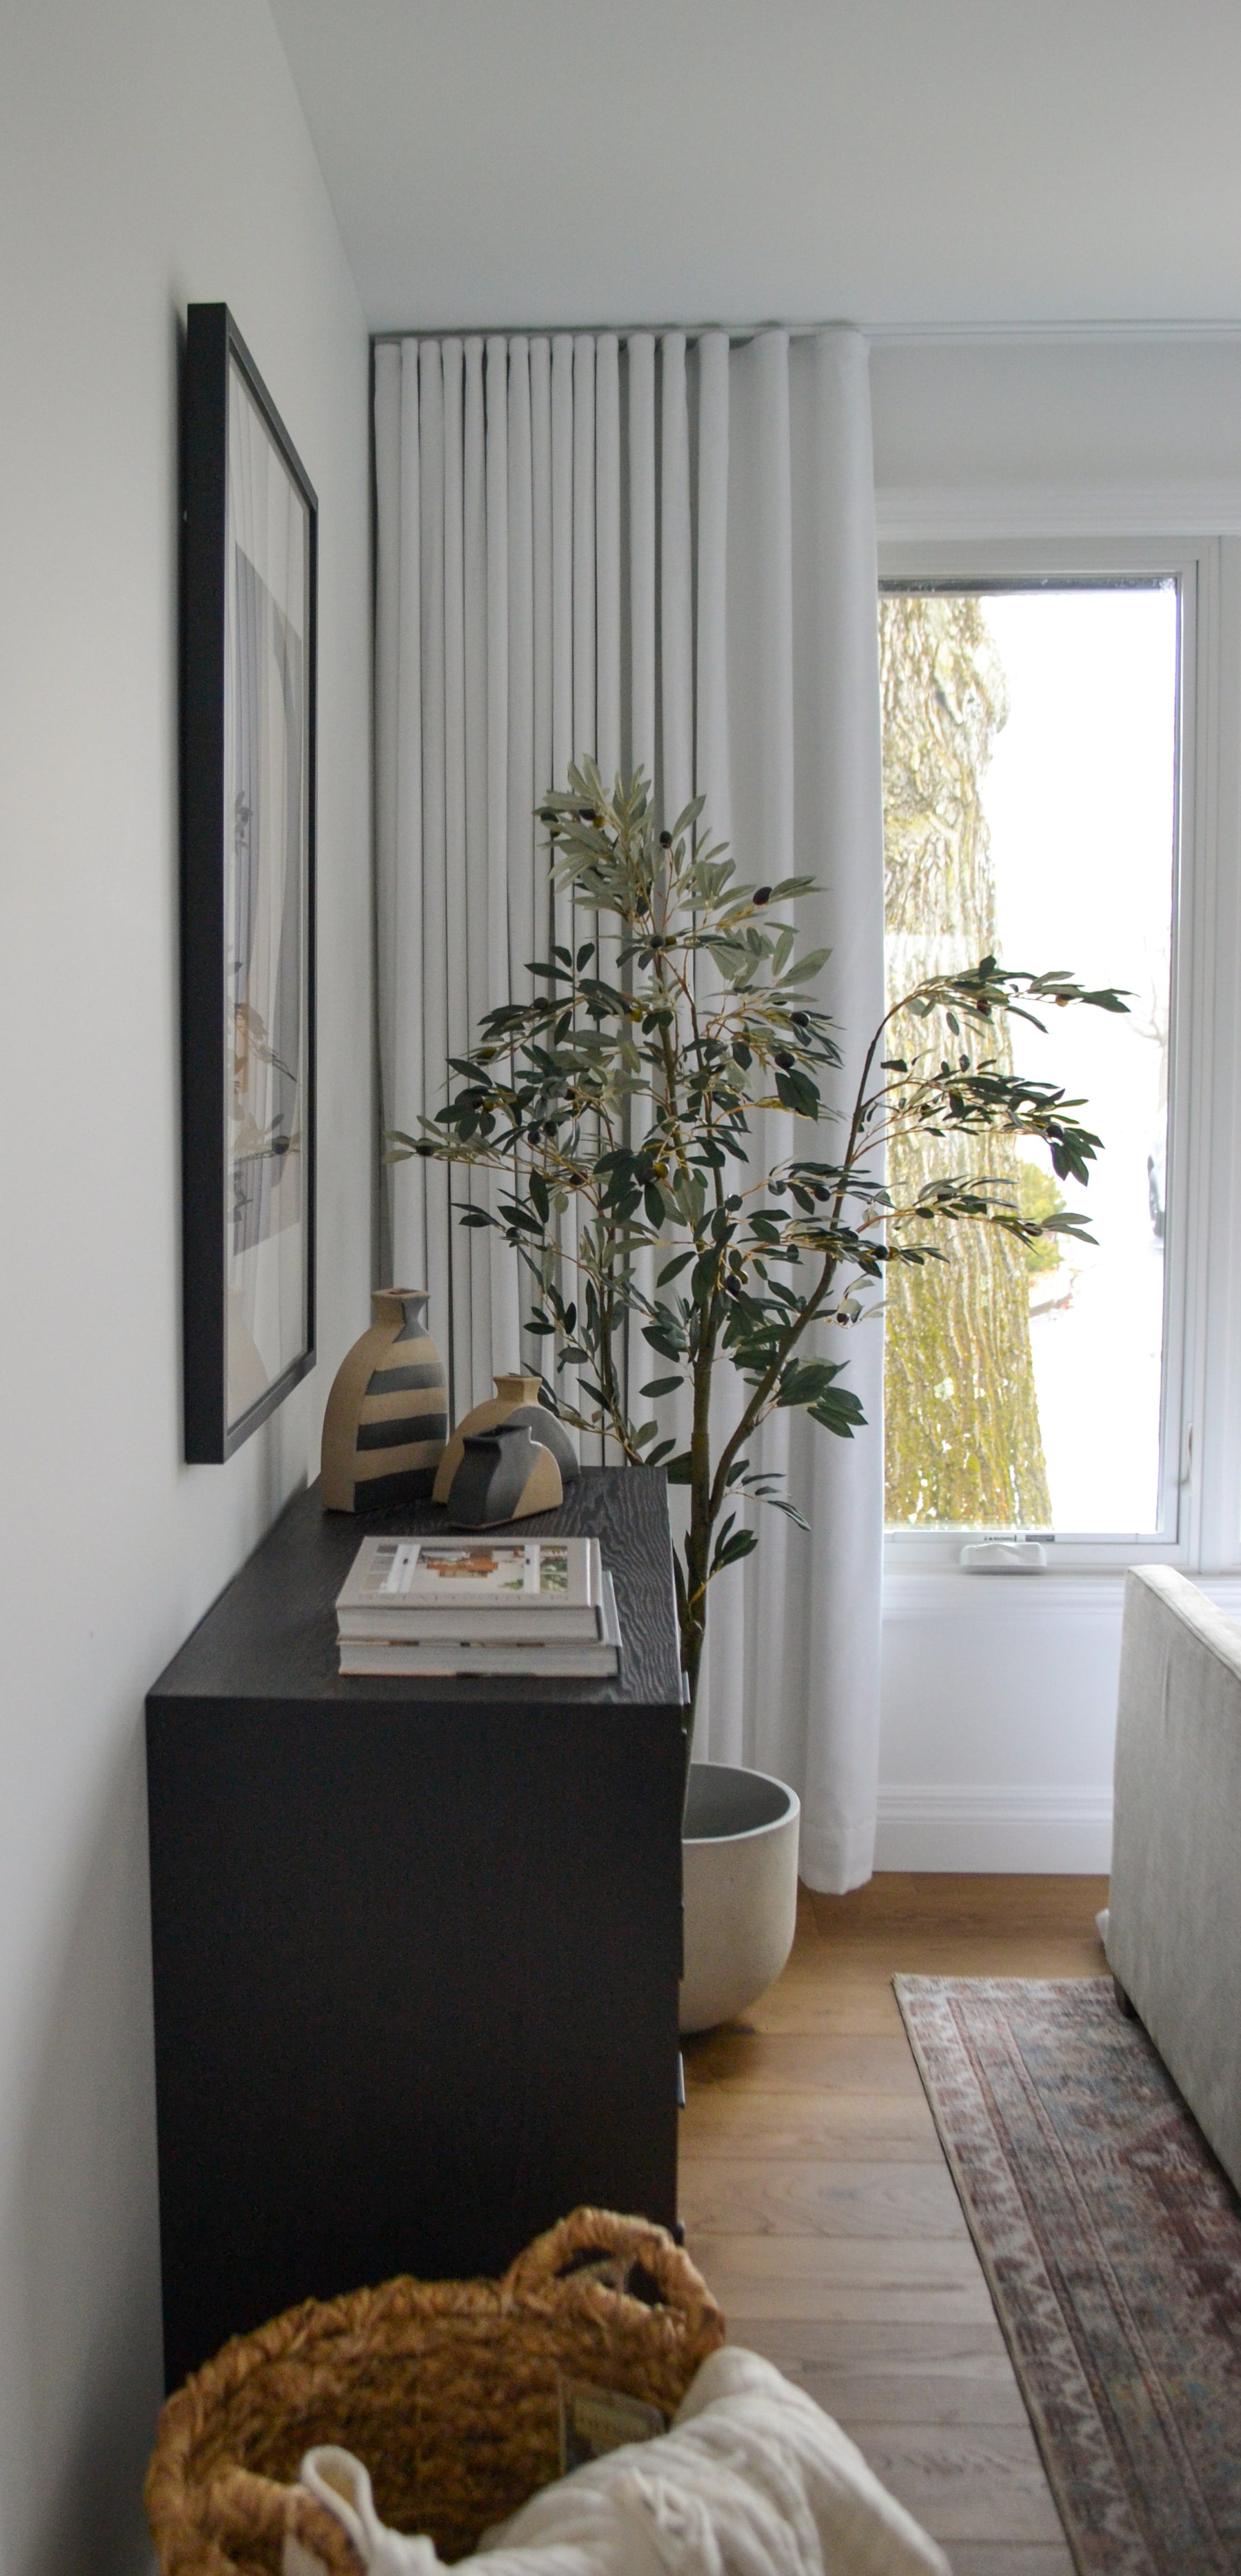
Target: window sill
x,y
938,1552
919,1587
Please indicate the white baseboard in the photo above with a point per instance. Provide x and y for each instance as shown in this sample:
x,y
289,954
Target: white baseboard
x,y
1058,1830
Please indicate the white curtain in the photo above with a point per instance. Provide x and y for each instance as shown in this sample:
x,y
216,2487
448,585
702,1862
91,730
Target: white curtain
x,y
658,549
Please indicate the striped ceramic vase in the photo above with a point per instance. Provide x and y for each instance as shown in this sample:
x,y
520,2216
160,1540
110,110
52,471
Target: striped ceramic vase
x,y
387,1415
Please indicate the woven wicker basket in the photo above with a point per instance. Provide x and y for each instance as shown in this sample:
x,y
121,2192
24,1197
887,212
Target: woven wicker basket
x,y
446,2390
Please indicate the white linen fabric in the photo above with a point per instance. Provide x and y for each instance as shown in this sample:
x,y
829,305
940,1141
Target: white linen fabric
x,y
753,2480
1172,1930
657,550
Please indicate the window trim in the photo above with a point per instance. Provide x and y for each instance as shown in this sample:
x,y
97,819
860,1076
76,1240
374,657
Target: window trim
x,y
1200,1496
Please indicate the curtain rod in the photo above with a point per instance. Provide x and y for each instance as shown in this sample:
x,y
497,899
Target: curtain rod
x,y
882,334
736,331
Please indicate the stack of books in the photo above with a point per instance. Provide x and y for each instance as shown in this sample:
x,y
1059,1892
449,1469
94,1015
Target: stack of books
x,y
479,1605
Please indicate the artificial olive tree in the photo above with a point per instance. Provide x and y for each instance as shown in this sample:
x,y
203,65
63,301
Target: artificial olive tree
x,y
616,1110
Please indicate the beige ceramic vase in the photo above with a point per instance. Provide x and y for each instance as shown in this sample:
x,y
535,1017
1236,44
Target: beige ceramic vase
x,y
387,1414
516,1399
505,1475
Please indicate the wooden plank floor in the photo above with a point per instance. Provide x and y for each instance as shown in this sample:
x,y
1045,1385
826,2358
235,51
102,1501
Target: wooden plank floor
x,y
817,2201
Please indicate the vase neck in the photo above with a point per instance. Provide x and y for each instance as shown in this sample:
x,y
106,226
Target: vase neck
x,y
406,1307
515,1389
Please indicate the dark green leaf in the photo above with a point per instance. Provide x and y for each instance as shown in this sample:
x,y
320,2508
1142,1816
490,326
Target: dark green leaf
x,y
729,1551
839,1411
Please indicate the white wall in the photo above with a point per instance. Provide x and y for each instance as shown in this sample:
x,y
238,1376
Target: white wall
x,y
152,152
1055,411
998,1719
999,1694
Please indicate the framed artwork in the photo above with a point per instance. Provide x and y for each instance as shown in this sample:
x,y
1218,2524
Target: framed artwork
x,y
247,896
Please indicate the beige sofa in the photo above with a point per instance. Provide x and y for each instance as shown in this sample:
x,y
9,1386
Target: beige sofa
x,y
1174,1917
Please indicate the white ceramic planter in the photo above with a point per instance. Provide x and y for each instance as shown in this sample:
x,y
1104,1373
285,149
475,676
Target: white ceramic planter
x,y
740,1882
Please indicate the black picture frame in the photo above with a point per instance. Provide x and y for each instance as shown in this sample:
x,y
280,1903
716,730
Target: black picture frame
x,y
248,681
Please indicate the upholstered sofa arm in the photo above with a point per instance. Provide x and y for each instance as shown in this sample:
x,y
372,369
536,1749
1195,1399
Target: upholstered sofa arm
x,y
1174,1929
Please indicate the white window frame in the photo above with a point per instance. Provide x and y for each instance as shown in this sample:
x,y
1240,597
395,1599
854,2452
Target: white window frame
x,y
1201,1427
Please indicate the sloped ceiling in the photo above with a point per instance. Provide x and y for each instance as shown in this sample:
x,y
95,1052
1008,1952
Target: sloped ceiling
x,y
898,162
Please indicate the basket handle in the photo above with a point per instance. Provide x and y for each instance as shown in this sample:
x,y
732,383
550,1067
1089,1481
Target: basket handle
x,y
247,2517
342,2487
630,2256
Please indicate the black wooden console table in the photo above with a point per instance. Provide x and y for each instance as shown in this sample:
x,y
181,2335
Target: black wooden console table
x,y
416,1942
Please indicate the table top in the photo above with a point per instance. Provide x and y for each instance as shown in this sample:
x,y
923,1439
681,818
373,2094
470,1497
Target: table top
x,y
272,1633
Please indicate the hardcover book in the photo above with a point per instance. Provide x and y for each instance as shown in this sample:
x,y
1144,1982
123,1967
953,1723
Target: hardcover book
x,y
582,1658
493,1591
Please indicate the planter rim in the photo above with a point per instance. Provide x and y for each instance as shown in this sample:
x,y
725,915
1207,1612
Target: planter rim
x,y
749,1833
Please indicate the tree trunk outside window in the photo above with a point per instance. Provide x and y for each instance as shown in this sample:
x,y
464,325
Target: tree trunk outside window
x,y
963,1444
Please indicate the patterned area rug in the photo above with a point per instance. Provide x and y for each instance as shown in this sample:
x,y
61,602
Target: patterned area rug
x,y
1111,2241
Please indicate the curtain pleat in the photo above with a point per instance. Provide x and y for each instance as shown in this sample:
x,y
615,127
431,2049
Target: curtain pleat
x,y
608,554
435,1038
722,1685
676,645
407,936
711,761
584,583
642,746
564,741
657,549
474,914
390,569
643,667
502,1301
522,744
545,772
455,893
837,782
609,591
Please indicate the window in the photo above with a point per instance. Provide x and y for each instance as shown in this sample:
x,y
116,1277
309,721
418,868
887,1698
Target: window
x,y
1139,1457
1030,771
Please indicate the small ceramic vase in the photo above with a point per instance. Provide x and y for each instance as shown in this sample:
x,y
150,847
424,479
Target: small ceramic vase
x,y
387,1415
516,1399
504,1475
